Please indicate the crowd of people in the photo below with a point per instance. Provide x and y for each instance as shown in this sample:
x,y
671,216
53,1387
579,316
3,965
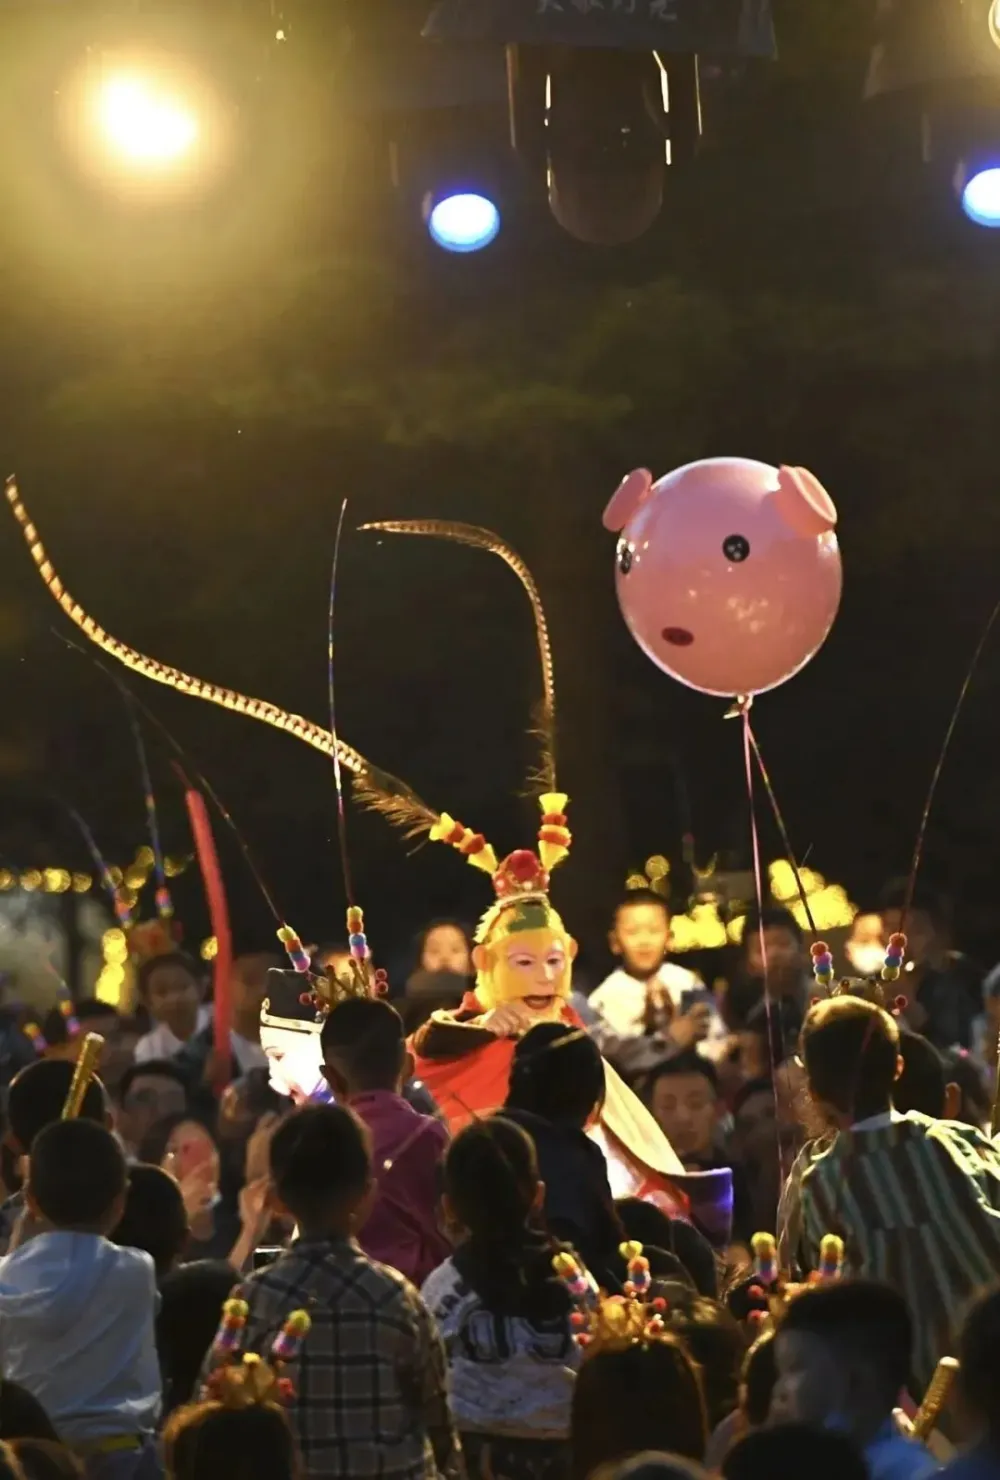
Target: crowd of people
x,y
231,1284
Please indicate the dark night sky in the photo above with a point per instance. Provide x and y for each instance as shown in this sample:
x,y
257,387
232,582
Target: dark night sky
x,y
191,507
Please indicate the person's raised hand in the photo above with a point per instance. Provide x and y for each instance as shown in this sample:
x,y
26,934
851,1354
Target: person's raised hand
x,y
258,1153
692,1027
508,1020
254,1213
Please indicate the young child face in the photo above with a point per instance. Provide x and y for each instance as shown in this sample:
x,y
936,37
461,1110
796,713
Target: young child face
x,y
784,951
810,1386
685,1106
446,949
641,937
174,998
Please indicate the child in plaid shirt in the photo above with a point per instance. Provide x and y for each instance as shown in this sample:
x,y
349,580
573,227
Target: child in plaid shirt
x,y
371,1385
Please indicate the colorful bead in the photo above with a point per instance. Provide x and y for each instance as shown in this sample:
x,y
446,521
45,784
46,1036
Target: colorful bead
x,y
822,962
894,955
293,949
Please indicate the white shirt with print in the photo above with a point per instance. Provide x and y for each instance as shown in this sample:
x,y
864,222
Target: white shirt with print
x,y
508,1376
620,1003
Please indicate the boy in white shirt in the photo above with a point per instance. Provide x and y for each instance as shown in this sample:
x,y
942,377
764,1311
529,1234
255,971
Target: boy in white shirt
x,y
648,995
171,990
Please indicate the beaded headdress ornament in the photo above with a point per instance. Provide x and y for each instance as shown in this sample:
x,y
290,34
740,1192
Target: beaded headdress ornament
x,y
248,1380
613,1322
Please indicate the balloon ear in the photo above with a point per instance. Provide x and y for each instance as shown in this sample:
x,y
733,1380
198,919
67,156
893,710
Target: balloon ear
x,y
632,491
804,503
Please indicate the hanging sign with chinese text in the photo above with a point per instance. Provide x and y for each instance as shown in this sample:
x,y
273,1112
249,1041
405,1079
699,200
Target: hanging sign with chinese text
x,y
718,28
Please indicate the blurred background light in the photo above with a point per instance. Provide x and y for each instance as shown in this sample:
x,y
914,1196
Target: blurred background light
x,y
464,223
981,198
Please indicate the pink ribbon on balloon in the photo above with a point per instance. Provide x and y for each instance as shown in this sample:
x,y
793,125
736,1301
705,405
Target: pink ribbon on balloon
x,y
218,909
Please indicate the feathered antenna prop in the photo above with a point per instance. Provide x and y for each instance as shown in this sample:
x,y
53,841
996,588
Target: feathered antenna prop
x,y
291,724
485,539
401,807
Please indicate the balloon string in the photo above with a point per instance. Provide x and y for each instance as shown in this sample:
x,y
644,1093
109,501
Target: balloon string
x,y
337,776
918,850
199,776
758,878
779,819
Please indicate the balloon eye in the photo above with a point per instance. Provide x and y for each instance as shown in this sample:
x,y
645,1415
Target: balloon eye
x,y
736,547
624,557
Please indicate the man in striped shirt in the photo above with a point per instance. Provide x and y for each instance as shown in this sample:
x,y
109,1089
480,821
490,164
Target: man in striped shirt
x,y
916,1200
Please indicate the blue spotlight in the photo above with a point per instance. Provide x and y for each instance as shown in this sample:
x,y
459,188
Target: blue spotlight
x,y
981,197
464,223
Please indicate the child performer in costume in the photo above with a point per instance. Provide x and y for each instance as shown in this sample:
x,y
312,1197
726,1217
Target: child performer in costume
x,y
524,953
523,958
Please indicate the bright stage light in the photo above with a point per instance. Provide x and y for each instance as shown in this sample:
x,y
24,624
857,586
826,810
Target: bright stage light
x,y
149,128
464,223
981,198
995,21
145,125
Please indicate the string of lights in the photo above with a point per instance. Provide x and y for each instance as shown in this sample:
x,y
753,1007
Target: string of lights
x,y
713,919
131,879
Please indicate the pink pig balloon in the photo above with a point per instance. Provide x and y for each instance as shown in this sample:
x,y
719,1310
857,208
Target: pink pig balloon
x,y
729,572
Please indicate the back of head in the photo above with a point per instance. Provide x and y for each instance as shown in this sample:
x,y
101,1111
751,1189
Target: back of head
x,y
154,1219
979,1355
491,1187
557,1074
866,1325
21,1414
320,1161
78,1176
206,1440
649,1226
363,1043
44,1459
760,1373
646,1396
850,1049
191,1301
923,1082
428,992
652,1466
38,1094
791,1451
717,1342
